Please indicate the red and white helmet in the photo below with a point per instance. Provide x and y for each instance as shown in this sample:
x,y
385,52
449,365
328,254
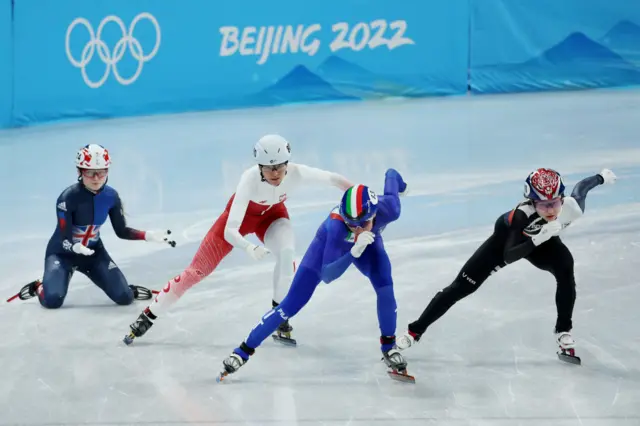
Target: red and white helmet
x,y
544,184
92,157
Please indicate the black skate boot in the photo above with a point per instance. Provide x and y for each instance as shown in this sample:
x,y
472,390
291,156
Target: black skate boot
x,y
141,293
283,332
29,290
396,362
140,326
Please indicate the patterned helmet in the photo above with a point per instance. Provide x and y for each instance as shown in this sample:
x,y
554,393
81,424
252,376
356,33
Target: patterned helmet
x,y
359,204
544,184
93,157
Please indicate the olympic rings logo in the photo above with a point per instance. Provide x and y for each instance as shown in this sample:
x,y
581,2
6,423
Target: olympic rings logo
x,y
108,57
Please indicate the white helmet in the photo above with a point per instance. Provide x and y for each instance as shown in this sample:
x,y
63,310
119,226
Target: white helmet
x,y
271,150
93,157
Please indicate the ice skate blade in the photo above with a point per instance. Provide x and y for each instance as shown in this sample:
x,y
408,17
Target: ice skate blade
x,y
287,341
128,339
401,377
221,376
571,359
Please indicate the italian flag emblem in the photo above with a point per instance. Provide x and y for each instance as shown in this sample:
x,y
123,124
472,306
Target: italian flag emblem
x,y
354,201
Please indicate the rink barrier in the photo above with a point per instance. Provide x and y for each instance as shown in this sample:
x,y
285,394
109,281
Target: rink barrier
x,y
583,45
78,59
6,68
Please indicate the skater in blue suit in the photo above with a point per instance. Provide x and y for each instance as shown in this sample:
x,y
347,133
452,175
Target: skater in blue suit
x,y
76,245
350,235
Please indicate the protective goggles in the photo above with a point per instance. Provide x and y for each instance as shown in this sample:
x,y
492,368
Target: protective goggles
x,y
556,203
101,173
275,167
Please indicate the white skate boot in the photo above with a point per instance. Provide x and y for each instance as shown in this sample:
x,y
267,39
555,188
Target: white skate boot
x,y
407,340
567,346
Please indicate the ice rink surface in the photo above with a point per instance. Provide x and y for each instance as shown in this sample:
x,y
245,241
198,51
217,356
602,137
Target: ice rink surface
x,y
490,361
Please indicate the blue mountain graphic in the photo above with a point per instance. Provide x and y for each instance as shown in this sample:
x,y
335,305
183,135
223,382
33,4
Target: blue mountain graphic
x,y
624,39
353,79
300,85
337,66
356,80
577,47
577,62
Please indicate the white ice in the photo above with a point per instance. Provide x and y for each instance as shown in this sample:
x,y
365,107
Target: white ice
x,y
489,361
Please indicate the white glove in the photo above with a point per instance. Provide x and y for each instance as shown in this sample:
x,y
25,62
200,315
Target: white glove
x,y
159,237
548,230
257,252
608,176
362,241
81,249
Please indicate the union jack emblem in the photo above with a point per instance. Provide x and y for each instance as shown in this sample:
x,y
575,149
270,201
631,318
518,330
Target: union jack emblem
x,y
86,234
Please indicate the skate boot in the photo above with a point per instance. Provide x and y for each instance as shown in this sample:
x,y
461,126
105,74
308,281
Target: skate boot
x,y
140,326
283,334
407,340
567,352
141,293
397,365
29,290
238,358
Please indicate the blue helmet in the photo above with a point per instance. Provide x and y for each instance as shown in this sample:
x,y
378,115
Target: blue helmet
x,y
359,204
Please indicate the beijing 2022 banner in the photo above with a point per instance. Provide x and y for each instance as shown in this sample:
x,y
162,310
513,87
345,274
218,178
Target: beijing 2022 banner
x,y
101,58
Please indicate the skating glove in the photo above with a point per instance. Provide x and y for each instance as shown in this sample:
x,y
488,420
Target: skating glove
x,y
405,192
257,252
608,177
547,231
159,237
81,249
362,241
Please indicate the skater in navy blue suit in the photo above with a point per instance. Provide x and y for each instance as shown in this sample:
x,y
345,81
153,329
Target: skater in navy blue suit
x,y
76,245
350,235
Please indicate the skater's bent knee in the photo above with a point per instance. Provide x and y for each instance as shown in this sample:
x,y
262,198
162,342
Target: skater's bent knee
x,y
124,299
53,301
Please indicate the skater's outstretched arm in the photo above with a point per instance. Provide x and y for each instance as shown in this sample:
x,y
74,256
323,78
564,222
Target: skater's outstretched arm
x,y
315,175
389,206
393,183
581,189
119,222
